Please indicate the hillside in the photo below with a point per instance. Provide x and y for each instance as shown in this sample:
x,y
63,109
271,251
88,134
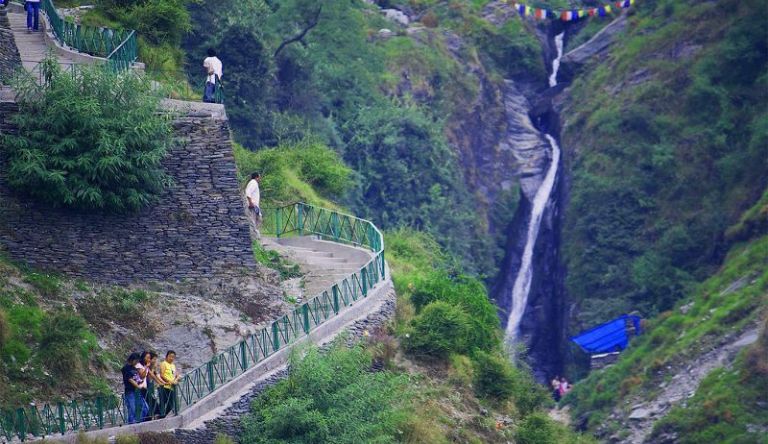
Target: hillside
x,y
667,135
439,121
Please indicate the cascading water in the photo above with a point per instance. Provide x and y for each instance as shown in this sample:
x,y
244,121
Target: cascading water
x,y
522,286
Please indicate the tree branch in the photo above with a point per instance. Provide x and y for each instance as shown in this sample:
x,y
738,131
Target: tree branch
x,y
300,37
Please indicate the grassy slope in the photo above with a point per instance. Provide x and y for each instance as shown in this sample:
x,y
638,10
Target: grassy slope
x,y
47,321
715,310
670,133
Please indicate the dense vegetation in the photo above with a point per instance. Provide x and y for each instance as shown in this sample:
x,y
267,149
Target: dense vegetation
x,y
459,386
47,348
727,303
445,323
383,103
91,140
672,132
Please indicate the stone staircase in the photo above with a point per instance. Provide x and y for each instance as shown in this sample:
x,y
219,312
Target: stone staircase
x,y
322,263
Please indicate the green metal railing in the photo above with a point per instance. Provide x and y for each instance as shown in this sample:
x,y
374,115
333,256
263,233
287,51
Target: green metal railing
x,y
296,219
119,47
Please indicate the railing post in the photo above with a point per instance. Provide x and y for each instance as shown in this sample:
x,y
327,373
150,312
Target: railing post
x,y
382,265
300,219
335,289
275,336
335,225
277,222
244,355
364,274
62,424
100,412
21,431
211,382
305,313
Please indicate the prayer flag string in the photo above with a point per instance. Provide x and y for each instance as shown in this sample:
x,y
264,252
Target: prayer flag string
x,y
571,15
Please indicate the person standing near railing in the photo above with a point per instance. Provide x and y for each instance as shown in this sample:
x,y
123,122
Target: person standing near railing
x,y
215,70
253,195
33,15
170,379
131,386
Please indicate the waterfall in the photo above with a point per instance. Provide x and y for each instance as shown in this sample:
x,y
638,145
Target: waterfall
x,y
524,277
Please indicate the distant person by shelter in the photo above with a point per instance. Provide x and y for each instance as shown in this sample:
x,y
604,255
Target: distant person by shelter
x,y
214,69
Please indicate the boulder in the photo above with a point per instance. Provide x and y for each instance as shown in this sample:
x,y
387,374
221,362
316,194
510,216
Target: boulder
x,y
397,16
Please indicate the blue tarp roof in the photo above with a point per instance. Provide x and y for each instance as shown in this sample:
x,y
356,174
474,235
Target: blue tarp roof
x,y
607,337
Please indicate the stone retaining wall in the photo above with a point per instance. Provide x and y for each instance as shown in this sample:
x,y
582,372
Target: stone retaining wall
x,y
198,230
10,60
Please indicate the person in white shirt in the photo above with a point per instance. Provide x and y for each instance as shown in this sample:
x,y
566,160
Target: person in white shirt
x,y
253,196
215,71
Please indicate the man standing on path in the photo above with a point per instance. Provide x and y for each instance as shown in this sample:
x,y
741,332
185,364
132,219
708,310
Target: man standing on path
x,y
33,15
214,68
253,195
131,386
168,390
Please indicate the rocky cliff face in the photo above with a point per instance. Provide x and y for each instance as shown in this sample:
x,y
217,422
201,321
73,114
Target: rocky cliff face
x,y
500,143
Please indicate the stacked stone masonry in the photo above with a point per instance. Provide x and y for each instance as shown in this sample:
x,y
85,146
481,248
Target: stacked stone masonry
x,y
197,231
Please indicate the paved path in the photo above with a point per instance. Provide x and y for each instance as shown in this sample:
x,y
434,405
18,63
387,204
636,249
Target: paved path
x,y
322,263
32,45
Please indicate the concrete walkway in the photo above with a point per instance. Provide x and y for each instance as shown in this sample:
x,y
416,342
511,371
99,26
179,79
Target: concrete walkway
x,y
33,47
324,263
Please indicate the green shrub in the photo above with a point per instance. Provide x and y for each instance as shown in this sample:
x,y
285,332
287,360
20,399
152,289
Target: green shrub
x,y
66,344
439,330
115,305
15,355
91,141
497,378
160,21
330,398
537,428
470,295
305,171
46,285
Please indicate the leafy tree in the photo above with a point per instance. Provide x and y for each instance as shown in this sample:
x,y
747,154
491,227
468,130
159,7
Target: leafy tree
x,y
92,141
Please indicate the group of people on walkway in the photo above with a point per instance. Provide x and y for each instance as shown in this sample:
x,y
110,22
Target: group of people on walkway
x,y
560,388
141,374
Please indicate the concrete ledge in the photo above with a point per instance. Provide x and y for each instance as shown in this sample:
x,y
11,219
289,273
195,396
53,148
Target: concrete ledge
x,y
215,403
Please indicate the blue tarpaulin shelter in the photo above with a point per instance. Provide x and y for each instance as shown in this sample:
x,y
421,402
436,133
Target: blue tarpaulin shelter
x,y
608,337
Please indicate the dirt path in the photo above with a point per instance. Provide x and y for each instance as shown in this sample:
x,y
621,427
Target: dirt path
x,y
683,385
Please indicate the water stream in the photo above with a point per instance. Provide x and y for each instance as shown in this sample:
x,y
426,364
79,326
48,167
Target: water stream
x,y
524,277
